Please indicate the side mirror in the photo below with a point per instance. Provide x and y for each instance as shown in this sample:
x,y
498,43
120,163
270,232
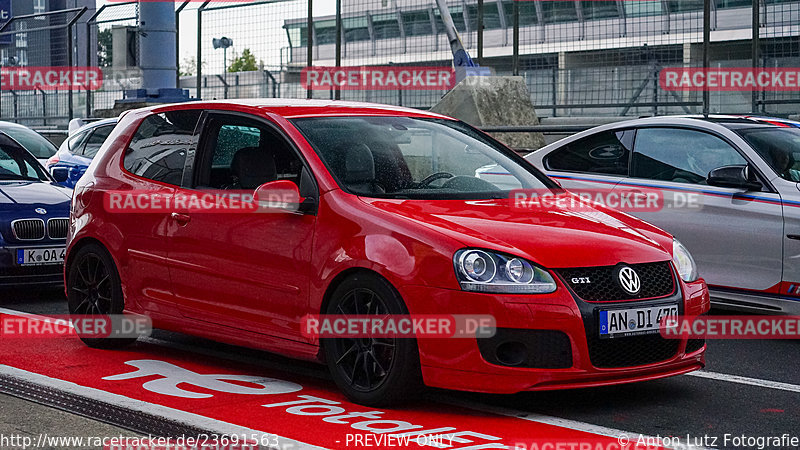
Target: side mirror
x,y
281,195
736,177
60,174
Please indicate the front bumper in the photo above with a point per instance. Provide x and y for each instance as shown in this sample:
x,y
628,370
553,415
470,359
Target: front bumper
x,y
568,354
12,274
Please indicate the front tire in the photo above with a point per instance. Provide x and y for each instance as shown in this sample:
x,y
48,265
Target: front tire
x,y
372,371
94,289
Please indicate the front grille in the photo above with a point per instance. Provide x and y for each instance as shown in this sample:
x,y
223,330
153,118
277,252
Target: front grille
x,y
57,228
656,281
28,229
631,351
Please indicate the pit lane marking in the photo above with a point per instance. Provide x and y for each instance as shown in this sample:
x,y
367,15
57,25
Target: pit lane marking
x,y
746,380
187,418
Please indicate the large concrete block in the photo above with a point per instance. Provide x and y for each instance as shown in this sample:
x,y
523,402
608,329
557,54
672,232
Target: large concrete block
x,y
494,101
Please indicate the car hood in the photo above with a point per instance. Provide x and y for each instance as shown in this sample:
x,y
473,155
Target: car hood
x,y
29,195
553,238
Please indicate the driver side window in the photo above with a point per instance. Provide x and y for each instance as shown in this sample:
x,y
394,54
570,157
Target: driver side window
x,y
244,154
680,155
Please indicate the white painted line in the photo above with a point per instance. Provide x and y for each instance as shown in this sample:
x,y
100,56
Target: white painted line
x,y
746,380
13,312
190,419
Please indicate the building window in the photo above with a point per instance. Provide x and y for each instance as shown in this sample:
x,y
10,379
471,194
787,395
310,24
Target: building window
x,y
527,13
39,6
356,29
599,9
417,23
491,16
325,32
386,26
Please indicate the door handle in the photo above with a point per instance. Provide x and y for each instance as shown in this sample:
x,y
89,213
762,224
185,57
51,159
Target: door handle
x,y
182,219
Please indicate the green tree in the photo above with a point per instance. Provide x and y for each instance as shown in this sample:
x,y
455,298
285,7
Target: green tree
x,y
105,48
246,62
189,67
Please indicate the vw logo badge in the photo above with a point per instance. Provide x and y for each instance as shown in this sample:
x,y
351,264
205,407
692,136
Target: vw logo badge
x,y
629,280
41,211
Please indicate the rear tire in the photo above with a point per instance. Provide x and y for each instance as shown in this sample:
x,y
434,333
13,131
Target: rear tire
x,y
372,371
94,288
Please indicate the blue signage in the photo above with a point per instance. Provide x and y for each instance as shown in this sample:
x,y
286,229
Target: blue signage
x,y
5,16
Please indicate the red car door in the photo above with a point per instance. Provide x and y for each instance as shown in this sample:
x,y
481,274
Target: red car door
x,y
153,169
245,270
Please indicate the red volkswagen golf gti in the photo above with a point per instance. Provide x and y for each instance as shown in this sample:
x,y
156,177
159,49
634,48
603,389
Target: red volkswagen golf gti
x,y
390,219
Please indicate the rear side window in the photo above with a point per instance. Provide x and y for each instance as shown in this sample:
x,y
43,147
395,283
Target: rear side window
x,y
680,155
604,153
159,147
75,143
96,140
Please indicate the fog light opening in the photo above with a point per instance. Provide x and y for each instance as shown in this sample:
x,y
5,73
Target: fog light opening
x,y
511,353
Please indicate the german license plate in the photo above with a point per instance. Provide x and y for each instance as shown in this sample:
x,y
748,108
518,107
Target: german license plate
x,y
635,321
40,256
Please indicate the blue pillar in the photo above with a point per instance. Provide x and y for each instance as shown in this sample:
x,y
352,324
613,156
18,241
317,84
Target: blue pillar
x,y
157,54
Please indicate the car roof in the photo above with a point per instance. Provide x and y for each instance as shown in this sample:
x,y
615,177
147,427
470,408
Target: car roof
x,y
95,124
730,121
297,108
7,125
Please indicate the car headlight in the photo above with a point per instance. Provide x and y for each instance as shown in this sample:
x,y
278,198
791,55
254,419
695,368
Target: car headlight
x,y
684,263
484,271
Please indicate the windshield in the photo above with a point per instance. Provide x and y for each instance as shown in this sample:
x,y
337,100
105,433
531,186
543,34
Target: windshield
x,y
779,147
33,142
403,157
17,164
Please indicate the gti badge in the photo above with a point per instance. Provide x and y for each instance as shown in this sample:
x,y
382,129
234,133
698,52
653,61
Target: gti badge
x,y
41,211
629,280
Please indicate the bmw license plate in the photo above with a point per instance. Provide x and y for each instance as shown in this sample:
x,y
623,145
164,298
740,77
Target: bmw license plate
x,y
634,321
40,256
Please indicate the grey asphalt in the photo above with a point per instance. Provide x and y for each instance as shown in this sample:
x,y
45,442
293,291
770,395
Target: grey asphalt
x,y
686,405
27,424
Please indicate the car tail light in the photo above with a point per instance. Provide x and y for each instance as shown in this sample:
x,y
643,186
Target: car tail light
x,y
53,160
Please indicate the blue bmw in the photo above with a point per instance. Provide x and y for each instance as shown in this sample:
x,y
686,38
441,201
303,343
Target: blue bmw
x,y
34,219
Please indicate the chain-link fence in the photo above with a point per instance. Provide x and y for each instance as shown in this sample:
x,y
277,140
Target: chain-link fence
x,y
578,57
113,43
33,47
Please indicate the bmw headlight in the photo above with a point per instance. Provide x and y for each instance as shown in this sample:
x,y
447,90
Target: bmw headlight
x,y
684,263
485,271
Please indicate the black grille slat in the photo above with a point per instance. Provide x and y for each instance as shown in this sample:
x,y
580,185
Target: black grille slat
x,y
57,228
656,278
28,229
631,351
